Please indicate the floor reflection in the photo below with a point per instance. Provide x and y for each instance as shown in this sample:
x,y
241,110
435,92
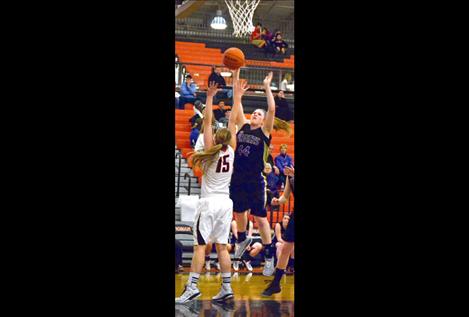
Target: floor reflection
x,y
236,308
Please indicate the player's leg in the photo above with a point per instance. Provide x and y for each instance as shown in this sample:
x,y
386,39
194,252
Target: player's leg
x,y
208,250
287,248
291,261
258,199
225,267
202,229
220,237
278,246
256,248
239,194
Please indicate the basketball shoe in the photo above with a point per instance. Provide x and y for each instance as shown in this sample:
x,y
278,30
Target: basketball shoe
x,y
225,293
241,247
273,288
190,293
248,265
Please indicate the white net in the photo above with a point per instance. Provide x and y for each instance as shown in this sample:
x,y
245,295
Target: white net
x,y
241,12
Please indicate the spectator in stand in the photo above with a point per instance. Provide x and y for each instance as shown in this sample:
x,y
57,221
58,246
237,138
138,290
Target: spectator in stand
x,y
224,120
279,45
267,36
199,145
195,132
177,96
273,185
216,76
220,112
283,160
282,110
188,93
256,36
198,112
270,160
285,81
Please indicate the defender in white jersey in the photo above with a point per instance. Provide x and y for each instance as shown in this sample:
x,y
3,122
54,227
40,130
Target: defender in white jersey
x,y
215,208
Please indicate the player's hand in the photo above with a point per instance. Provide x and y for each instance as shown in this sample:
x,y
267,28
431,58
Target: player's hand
x,y
289,171
240,87
212,89
268,79
275,202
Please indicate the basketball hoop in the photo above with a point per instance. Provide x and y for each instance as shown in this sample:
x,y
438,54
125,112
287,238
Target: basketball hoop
x,y
242,12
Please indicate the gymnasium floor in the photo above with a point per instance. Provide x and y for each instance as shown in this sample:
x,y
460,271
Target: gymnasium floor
x,y
247,301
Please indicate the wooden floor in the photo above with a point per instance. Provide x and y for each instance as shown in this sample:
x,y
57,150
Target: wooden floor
x,y
247,288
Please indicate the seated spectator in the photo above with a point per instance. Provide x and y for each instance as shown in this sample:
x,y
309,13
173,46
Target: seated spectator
x,y
256,37
224,120
266,35
273,185
283,160
270,160
188,93
177,96
195,131
198,112
279,45
199,145
282,111
220,113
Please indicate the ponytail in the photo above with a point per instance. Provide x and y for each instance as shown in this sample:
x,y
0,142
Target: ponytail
x,y
282,125
207,157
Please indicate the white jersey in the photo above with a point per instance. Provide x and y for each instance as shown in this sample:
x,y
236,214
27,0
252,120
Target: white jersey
x,y
216,180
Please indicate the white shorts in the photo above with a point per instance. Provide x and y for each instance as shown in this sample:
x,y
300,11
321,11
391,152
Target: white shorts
x,y
213,220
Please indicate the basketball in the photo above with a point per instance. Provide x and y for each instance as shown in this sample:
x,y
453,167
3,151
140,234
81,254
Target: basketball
x,y
233,58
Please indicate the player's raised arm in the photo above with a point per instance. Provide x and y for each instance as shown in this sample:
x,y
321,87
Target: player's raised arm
x,y
270,114
240,118
237,110
208,130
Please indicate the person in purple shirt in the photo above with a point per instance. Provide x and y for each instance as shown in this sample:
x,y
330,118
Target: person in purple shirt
x,y
188,93
278,44
283,160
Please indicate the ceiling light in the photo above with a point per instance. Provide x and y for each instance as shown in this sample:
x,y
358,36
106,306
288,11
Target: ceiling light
x,y
218,22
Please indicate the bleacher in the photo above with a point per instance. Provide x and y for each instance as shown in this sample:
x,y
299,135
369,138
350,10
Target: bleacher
x,y
212,54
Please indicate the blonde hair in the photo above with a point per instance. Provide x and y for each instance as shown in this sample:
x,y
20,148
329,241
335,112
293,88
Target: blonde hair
x,y
205,158
282,125
283,146
279,124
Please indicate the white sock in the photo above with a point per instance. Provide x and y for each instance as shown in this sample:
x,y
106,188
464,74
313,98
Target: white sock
x,y
193,279
226,279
